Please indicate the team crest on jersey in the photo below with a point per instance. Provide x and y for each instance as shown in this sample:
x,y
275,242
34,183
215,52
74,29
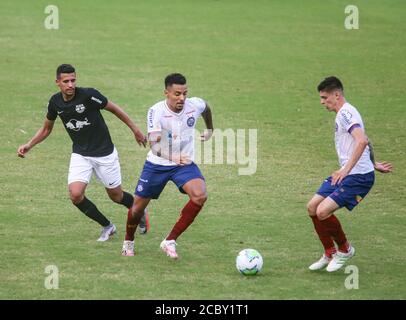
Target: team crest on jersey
x,y
191,121
80,108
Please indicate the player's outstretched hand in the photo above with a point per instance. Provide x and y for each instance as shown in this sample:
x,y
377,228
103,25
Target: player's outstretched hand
x,y
141,138
206,135
22,150
383,167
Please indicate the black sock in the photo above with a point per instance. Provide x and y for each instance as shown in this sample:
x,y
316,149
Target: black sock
x,y
89,209
127,200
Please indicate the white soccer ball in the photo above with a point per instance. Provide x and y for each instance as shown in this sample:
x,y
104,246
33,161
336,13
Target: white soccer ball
x,y
249,262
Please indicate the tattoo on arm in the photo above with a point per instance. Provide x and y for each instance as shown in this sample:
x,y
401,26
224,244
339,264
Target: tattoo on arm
x,y
207,117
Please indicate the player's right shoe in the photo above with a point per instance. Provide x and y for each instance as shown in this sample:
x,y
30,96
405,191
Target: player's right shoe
x,y
169,247
107,232
128,248
340,258
321,263
143,226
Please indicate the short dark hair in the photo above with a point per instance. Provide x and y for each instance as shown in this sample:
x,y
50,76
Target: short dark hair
x,y
330,84
174,78
64,68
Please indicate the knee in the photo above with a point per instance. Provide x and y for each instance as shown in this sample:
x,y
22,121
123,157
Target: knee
x,y
76,196
137,212
311,209
116,197
199,198
322,213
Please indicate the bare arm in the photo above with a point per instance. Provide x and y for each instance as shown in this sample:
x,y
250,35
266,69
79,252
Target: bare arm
x,y
40,136
123,116
361,141
208,120
383,167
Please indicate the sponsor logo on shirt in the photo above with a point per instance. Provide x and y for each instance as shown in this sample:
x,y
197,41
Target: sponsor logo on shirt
x,y
190,121
76,125
80,108
346,116
151,118
97,100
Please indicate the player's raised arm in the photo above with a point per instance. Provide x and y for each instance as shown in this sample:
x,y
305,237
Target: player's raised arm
x,y
208,120
383,167
40,136
123,116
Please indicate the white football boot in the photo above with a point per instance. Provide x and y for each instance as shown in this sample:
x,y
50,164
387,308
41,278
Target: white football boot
x,y
169,247
321,263
107,232
339,259
128,248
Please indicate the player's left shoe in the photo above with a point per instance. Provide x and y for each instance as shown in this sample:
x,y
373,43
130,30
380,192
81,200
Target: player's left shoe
x,y
339,259
107,232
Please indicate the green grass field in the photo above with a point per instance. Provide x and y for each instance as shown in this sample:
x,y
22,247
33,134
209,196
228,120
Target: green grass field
x,y
257,63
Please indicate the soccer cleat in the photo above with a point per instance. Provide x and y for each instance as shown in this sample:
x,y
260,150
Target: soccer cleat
x,y
320,264
339,259
143,226
107,232
128,248
169,247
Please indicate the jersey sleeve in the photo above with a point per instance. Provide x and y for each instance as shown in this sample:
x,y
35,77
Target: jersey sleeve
x,y
199,104
96,99
51,113
348,119
153,120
